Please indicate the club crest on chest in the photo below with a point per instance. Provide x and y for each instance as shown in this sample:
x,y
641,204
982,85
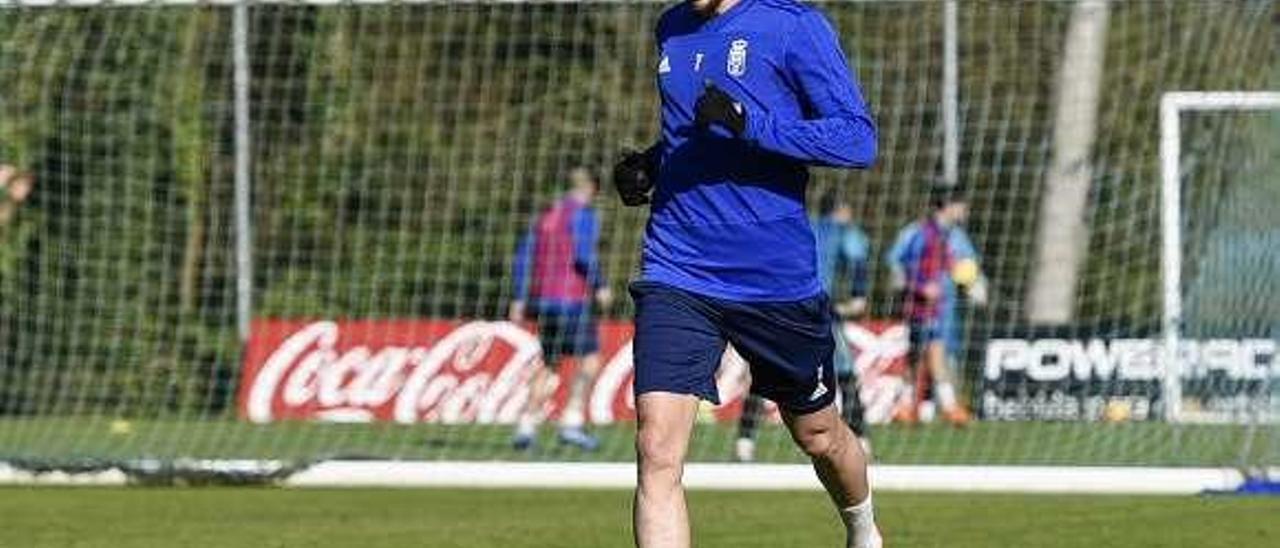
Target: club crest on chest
x,y
737,66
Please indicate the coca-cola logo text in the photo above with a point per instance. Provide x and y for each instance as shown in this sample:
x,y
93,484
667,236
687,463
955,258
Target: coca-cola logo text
x,y
444,372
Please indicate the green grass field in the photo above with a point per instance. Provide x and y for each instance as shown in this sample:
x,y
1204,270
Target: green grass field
x,y
272,518
1159,444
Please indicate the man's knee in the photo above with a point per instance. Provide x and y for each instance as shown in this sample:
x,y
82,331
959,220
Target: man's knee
x,y
822,442
659,455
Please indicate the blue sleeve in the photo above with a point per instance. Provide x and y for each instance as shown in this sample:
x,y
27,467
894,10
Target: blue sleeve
x,y
586,236
523,265
839,132
856,251
961,246
897,255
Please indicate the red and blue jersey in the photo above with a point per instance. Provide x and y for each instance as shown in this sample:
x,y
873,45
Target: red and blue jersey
x,y
556,265
961,248
728,217
923,257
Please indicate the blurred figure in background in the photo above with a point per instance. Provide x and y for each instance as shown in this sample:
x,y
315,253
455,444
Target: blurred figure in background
x,y
968,281
928,260
15,188
557,277
843,252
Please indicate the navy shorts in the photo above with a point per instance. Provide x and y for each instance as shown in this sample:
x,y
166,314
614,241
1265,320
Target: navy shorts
x,y
567,333
923,332
681,336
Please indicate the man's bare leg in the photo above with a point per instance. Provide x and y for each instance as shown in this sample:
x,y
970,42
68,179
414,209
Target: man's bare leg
x,y
575,410
573,421
944,389
540,390
842,467
662,439
935,359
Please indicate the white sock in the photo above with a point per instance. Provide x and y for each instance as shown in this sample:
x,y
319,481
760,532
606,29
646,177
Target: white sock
x,y
573,416
528,425
860,525
744,450
946,395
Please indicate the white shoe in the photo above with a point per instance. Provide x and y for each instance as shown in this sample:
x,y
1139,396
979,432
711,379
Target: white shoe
x,y
745,450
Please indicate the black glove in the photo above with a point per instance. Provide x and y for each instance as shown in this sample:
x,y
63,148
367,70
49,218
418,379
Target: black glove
x,y
634,176
717,107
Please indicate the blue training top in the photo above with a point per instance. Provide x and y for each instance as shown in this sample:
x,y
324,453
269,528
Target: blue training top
x,y
843,249
728,216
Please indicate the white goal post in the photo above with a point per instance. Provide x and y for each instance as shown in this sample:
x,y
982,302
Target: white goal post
x,y
1172,105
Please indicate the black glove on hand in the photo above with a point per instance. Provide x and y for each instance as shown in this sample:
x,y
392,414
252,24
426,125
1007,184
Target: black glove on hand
x,y
634,177
717,107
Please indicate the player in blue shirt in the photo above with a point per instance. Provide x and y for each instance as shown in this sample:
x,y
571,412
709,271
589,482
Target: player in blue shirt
x,y
843,252
752,92
557,274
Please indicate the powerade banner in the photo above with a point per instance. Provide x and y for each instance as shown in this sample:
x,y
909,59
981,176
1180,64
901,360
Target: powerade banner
x,y
454,372
1060,374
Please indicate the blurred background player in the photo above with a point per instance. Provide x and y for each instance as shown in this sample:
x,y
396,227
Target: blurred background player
x,y
557,274
843,251
966,280
15,188
929,257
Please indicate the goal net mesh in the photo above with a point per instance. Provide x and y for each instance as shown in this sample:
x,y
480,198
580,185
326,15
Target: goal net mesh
x,y
400,150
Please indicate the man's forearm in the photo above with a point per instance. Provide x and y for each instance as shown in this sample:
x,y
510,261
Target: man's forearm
x,y
848,142
590,269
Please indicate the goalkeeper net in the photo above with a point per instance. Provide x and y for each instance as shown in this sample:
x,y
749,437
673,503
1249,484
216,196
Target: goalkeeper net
x,y
399,150
1225,273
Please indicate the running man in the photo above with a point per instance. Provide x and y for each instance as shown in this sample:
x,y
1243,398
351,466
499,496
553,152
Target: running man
x,y
557,273
752,92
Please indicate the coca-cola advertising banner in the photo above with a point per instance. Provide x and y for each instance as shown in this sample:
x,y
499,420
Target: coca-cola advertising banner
x,y
454,372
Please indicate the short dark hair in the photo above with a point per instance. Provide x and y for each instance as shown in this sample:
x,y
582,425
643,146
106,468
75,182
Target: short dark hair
x,y
942,195
828,203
